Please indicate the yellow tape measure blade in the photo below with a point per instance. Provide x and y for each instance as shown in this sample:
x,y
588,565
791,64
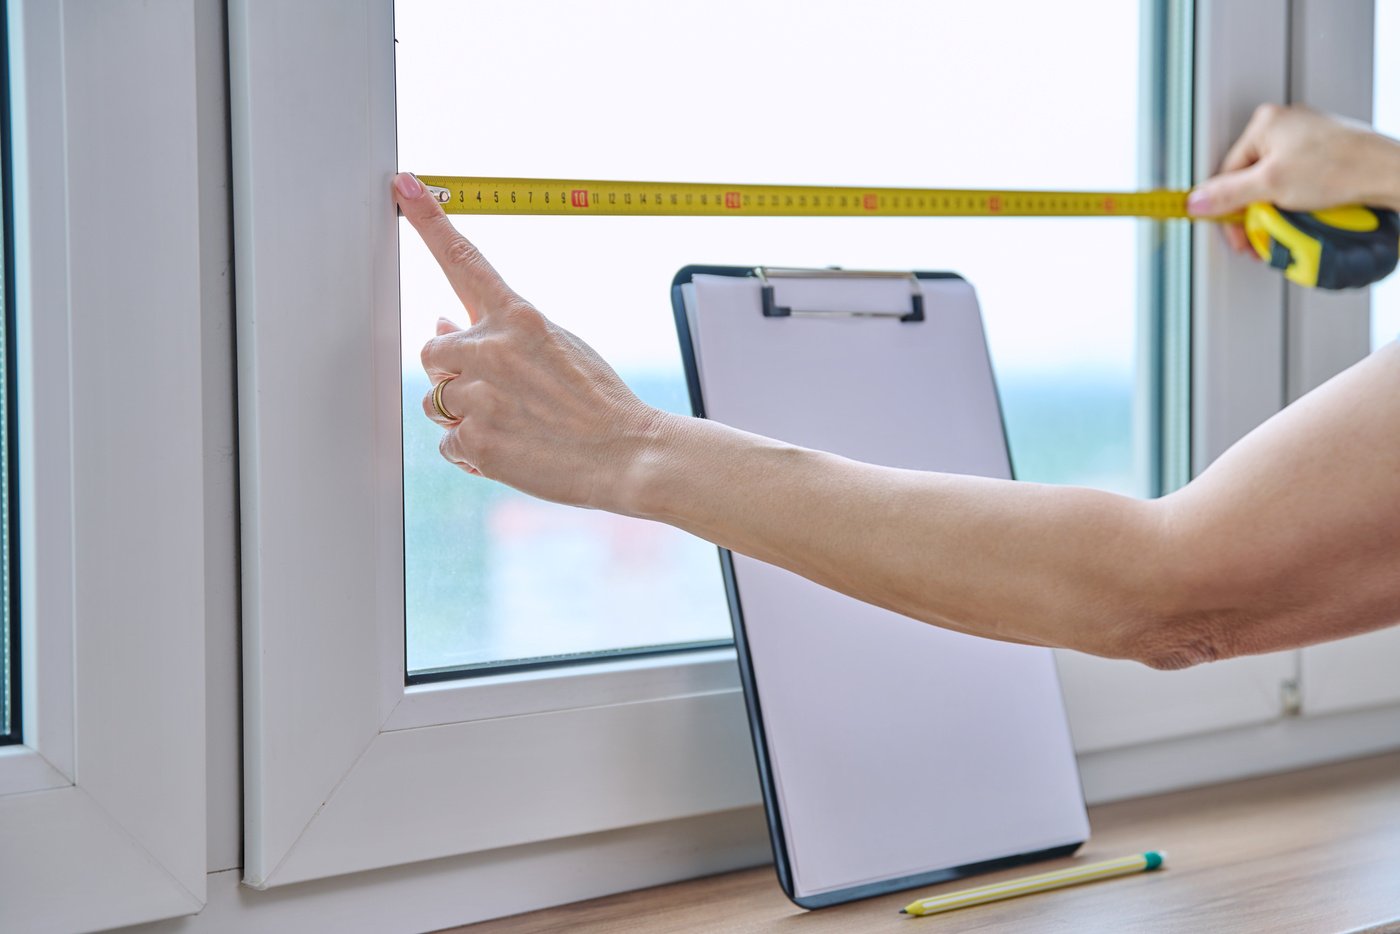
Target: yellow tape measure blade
x,y
536,196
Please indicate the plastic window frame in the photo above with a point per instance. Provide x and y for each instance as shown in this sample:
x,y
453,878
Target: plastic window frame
x,y
103,802
13,674
1333,69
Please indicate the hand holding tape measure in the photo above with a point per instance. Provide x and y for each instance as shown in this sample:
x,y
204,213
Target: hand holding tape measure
x,y
1291,156
1302,161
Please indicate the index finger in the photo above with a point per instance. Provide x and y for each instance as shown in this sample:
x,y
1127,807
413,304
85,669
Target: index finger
x,y
1246,151
476,283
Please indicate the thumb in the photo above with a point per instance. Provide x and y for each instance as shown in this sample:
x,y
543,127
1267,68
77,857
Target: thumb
x,y
1229,193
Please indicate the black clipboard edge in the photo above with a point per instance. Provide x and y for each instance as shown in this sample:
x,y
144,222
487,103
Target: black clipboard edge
x,y
776,838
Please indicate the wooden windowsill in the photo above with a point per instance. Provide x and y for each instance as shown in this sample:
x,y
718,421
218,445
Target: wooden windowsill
x,y
1314,850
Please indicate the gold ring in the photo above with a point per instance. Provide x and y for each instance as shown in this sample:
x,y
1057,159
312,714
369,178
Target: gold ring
x,y
437,400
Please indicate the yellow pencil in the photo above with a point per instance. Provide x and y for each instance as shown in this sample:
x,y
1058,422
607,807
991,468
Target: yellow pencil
x,y
1126,865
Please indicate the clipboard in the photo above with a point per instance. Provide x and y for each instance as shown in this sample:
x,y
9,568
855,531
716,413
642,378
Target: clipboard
x,y
891,754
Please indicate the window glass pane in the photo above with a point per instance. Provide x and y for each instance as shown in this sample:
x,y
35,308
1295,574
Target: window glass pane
x,y
893,94
1385,295
9,630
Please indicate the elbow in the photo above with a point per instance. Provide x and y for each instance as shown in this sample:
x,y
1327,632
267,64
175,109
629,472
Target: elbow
x,y
1171,644
1187,602
1215,575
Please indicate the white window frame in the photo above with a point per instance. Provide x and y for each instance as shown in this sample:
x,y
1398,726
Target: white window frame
x,y
345,768
1237,341
102,808
1334,70
1259,344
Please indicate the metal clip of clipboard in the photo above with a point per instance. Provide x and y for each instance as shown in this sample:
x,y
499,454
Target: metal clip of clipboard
x,y
771,309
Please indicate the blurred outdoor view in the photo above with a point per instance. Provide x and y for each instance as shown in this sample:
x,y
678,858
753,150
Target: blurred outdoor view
x,y
904,93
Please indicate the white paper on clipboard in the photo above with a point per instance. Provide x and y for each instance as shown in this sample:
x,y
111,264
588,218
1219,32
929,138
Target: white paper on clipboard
x,y
896,748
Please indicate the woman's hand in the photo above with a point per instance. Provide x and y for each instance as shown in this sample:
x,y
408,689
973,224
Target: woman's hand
x,y
533,406
1300,160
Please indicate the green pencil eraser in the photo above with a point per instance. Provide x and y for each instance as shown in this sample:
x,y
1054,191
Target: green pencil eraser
x,y
1154,859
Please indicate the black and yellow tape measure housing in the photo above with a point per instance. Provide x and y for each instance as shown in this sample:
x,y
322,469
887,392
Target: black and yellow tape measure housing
x,y
1340,248
1337,248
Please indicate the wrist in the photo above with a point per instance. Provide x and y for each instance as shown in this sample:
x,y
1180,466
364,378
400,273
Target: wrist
x,y
641,486
1384,172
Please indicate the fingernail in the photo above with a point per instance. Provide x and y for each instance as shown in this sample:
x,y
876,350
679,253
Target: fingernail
x,y
408,185
1198,202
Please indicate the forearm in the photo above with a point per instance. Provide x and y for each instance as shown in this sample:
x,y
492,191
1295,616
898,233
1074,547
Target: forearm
x,y
1013,561
1291,538
1383,173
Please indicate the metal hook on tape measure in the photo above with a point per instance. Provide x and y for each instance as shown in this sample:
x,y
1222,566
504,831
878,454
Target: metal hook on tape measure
x,y
440,195
771,309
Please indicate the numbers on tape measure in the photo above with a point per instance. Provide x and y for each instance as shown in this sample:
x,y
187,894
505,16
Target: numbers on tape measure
x,y
512,196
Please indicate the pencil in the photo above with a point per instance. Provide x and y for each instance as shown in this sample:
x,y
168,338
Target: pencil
x,y
997,891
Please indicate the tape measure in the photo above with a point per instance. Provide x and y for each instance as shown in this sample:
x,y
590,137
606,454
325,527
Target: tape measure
x,y
1339,248
459,195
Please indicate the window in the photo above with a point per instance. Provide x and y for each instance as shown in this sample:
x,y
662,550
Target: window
x,y
1385,295
493,576
9,626
562,782
348,766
